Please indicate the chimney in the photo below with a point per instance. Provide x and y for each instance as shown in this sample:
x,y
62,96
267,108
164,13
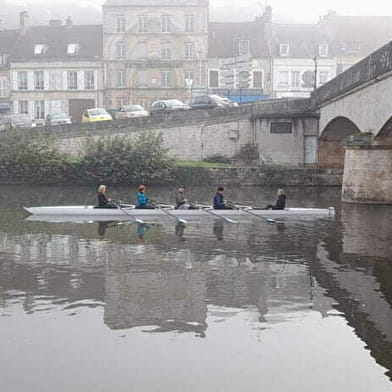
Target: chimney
x,y
267,19
55,22
68,21
23,20
267,15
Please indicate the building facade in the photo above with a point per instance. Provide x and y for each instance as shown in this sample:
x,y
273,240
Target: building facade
x,y
7,42
240,59
57,68
154,50
302,60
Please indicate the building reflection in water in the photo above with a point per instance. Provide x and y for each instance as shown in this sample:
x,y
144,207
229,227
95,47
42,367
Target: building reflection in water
x,y
272,271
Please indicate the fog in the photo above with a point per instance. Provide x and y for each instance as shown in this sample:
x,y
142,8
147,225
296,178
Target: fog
x,y
284,11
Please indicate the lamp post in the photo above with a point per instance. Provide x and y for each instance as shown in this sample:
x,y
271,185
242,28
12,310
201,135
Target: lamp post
x,y
315,59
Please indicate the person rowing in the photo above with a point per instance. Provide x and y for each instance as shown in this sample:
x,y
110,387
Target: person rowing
x,y
181,201
280,201
142,201
103,200
219,202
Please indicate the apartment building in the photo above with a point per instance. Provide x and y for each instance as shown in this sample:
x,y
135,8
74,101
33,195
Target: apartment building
x,y
57,68
154,50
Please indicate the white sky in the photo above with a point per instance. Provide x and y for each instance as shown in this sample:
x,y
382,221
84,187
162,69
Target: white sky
x,y
232,10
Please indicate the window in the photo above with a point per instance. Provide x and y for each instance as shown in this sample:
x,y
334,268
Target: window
x,y
22,80
165,79
189,50
72,49
120,24
38,80
56,80
4,90
120,51
280,127
166,24
141,50
189,23
142,24
353,47
39,49
122,102
121,78
257,79
243,47
323,49
213,80
142,78
23,107
190,75
89,80
72,80
295,79
166,54
284,49
283,78
39,107
323,77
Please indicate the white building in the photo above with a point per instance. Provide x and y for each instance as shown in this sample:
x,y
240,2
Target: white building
x,y
57,68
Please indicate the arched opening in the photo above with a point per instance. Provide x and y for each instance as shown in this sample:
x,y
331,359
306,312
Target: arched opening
x,y
331,151
386,130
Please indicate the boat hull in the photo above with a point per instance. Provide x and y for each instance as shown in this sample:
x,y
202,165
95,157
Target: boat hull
x,y
89,213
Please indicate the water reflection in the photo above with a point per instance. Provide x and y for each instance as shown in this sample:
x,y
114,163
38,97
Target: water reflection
x,y
201,278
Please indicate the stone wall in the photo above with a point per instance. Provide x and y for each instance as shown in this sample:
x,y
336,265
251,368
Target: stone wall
x,y
368,175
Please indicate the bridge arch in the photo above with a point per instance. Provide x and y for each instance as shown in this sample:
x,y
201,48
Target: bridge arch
x,y
331,151
386,130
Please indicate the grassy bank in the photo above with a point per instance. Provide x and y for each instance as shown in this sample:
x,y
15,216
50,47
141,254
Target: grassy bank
x,y
201,164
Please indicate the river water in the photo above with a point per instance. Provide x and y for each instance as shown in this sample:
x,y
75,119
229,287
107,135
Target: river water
x,y
303,305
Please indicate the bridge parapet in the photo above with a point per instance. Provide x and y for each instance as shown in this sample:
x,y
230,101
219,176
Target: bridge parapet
x,y
373,67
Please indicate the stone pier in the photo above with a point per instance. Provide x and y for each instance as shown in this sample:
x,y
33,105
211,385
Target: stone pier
x,y
367,176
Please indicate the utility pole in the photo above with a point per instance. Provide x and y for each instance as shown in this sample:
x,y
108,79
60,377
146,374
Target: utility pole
x,y
315,72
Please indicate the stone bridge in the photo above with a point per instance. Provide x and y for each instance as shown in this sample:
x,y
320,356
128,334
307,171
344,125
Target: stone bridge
x,y
359,101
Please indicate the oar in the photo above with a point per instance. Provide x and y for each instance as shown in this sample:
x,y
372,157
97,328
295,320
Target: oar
x,y
208,211
138,220
180,220
246,208
269,220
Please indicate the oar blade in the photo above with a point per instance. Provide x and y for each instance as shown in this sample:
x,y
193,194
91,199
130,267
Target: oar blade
x,y
138,220
229,220
183,221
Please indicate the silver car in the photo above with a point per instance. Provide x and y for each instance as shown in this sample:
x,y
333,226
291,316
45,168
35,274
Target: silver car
x,y
58,119
168,105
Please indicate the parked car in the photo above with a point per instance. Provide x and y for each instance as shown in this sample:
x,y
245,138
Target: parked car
x,y
18,121
131,111
115,113
58,119
96,114
168,105
211,102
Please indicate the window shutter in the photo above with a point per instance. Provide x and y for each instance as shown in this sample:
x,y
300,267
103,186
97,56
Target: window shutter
x,y
30,81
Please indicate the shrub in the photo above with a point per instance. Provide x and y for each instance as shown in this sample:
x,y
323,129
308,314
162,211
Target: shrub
x,y
138,158
31,156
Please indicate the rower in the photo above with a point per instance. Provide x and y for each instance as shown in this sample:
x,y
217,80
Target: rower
x,y
103,200
181,201
280,201
142,201
219,203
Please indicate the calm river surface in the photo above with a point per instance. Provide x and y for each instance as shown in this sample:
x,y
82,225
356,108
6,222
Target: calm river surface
x,y
250,306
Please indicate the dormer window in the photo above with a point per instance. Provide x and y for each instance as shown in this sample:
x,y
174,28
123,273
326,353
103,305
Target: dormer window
x,y
284,48
72,49
39,49
323,49
243,47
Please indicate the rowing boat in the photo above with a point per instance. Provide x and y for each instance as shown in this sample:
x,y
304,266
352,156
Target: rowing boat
x,y
91,213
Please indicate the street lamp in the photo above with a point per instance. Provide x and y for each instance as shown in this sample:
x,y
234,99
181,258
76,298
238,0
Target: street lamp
x,y
315,59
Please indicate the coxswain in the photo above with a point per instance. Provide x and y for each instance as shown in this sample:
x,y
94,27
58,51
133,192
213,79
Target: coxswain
x,y
142,201
280,201
219,202
103,200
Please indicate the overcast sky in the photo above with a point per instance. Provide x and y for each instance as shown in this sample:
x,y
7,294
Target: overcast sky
x,y
88,11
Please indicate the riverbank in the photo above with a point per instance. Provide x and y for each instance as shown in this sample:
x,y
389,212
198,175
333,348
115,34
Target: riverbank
x,y
206,175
